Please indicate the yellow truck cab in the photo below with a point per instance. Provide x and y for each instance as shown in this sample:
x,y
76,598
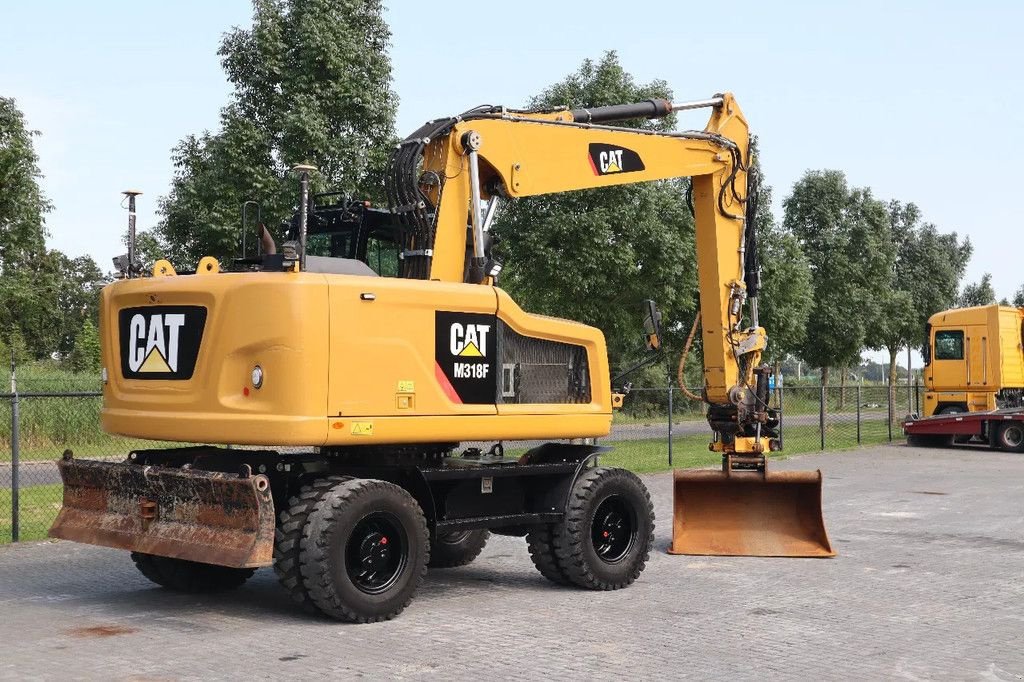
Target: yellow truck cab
x,y
974,360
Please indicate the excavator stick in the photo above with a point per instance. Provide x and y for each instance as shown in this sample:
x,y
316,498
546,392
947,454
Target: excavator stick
x,y
207,516
749,513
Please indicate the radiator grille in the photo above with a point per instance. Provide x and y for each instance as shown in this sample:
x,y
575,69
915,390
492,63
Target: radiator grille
x,y
540,371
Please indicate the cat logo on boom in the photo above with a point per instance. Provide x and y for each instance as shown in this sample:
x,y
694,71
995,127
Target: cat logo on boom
x,y
606,159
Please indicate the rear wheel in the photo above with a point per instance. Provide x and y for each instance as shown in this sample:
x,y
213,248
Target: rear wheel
x,y
955,409
364,551
929,441
458,548
542,553
605,539
1010,436
288,538
189,576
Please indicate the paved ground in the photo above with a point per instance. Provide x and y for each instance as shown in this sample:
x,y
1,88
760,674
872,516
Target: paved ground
x,y
929,584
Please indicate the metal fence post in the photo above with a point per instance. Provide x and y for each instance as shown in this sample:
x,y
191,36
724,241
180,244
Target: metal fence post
x,y
15,455
821,415
890,396
858,413
781,413
670,422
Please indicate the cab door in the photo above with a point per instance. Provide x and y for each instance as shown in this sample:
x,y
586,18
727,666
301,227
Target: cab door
x,y
979,354
950,359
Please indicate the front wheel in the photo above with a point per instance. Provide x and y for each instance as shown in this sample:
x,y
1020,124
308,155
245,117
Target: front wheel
x,y
605,540
1010,436
364,551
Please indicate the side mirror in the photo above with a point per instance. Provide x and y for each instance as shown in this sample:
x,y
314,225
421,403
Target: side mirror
x,y
652,325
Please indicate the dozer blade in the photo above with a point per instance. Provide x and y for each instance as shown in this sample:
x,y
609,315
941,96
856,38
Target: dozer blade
x,y
212,517
774,513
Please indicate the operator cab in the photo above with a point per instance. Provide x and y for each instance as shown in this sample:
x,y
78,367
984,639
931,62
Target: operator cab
x,y
343,237
349,237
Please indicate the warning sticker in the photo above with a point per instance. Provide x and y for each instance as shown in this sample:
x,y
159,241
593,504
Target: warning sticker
x,y
362,428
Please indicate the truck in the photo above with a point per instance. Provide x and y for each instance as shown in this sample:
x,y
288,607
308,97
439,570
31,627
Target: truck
x,y
974,379
974,360
351,388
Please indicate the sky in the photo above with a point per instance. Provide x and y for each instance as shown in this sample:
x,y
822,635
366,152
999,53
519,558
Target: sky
x,y
921,101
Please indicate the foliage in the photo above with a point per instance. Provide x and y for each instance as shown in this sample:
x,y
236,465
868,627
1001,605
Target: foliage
x,y
978,293
845,234
311,85
22,204
595,255
925,274
786,295
1018,297
45,296
86,354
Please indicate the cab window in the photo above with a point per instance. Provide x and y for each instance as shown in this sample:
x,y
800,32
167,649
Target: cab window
x,y
949,345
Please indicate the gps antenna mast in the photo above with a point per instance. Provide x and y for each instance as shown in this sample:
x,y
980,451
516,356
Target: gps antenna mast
x,y
131,270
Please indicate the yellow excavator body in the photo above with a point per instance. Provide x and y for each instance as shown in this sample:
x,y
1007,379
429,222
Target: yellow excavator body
x,y
293,349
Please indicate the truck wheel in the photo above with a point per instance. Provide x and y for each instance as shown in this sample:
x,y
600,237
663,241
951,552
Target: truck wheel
x,y
364,551
929,441
288,536
605,539
1011,436
458,548
542,553
189,576
955,409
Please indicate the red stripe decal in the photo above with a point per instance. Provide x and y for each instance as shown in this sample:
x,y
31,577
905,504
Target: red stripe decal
x,y
446,385
590,158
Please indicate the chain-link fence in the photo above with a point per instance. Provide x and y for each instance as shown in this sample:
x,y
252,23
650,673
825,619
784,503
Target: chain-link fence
x,y
35,429
659,427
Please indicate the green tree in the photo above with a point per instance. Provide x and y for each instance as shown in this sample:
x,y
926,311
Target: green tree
x,y
86,354
595,255
924,279
978,293
311,85
22,204
845,234
44,295
786,295
1018,297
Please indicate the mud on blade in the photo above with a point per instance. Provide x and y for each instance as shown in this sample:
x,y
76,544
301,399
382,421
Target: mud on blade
x,y
211,517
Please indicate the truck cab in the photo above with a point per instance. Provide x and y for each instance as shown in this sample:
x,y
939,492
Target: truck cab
x,y
974,360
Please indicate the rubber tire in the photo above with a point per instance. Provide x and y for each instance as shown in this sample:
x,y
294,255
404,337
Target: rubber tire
x,y
929,441
571,538
446,552
288,538
1007,428
955,409
190,576
323,544
542,553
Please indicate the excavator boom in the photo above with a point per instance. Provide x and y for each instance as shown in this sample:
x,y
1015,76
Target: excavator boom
x,y
492,154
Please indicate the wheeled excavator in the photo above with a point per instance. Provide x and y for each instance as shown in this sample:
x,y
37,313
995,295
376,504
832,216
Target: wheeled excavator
x,y
346,368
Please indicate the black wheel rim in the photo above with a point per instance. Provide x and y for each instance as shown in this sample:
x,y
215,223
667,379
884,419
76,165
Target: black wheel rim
x,y
613,531
376,553
1013,436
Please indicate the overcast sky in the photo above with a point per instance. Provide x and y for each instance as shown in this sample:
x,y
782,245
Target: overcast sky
x,y
921,101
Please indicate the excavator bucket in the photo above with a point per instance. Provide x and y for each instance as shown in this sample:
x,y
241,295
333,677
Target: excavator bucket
x,y
749,513
207,516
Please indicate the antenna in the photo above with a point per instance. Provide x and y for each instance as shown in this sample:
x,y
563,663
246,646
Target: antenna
x,y
131,270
